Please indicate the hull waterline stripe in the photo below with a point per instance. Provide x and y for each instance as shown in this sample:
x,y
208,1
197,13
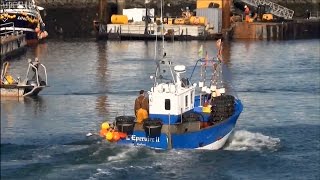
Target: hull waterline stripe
x,y
17,29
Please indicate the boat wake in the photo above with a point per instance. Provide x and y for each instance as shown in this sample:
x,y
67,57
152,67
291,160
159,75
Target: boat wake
x,y
243,140
124,154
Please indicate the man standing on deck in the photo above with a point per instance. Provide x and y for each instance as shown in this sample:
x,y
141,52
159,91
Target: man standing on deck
x,y
141,107
247,13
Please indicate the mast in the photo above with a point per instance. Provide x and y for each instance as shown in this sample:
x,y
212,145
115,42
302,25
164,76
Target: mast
x,y
226,14
146,19
162,27
102,11
121,4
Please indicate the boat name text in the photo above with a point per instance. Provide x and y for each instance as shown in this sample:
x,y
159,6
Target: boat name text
x,y
143,139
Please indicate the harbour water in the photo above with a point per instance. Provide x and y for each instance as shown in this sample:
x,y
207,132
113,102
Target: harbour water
x,y
277,135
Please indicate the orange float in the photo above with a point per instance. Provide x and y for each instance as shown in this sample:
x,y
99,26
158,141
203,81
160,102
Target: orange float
x,y
109,136
103,132
116,136
122,135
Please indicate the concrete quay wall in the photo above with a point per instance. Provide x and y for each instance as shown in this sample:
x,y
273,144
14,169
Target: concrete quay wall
x,y
74,18
304,29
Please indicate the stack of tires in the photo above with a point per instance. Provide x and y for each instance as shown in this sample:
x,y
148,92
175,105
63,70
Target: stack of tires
x,y
222,107
192,117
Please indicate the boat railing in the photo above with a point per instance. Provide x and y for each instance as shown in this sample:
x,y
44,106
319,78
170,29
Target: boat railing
x,y
18,5
9,29
4,70
45,72
37,73
130,29
203,60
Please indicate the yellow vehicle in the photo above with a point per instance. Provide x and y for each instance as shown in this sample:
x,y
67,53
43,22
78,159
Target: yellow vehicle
x,y
119,19
179,21
198,20
267,17
264,14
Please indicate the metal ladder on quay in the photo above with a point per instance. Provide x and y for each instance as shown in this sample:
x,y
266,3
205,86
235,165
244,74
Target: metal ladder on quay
x,y
276,9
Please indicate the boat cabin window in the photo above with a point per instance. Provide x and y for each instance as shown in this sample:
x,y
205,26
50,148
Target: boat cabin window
x,y
167,105
186,101
191,97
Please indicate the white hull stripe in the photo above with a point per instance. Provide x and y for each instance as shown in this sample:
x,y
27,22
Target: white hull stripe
x,y
217,144
16,29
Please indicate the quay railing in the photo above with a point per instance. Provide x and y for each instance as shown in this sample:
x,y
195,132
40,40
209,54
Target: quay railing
x,y
18,5
155,29
7,29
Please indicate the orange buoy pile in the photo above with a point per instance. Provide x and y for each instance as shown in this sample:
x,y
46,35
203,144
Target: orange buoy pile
x,y
111,134
41,34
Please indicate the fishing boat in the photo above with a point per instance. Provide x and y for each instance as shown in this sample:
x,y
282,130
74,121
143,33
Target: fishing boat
x,y
25,15
183,114
35,81
195,112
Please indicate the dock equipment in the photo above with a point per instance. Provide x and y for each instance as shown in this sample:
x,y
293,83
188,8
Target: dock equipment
x,y
275,9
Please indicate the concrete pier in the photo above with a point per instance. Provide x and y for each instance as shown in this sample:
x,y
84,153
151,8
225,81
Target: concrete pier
x,y
13,43
66,18
172,32
303,29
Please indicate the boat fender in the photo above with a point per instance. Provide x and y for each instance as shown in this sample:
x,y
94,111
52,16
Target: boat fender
x,y
109,136
105,125
116,136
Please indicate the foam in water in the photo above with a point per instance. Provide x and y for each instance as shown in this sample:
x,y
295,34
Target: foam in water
x,y
243,140
124,154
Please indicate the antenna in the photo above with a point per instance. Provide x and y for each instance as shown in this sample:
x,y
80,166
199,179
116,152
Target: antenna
x,y
155,58
162,27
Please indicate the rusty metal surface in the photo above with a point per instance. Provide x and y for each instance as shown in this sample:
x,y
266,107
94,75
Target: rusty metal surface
x,y
276,31
7,39
12,92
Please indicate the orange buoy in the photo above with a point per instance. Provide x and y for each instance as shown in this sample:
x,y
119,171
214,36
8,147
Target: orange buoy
x,y
105,125
39,35
103,132
45,33
122,135
116,136
109,136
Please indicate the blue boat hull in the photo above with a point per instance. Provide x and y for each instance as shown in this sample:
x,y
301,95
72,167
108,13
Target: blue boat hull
x,y
212,136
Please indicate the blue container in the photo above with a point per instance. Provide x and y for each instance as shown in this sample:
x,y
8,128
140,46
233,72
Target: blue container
x,y
197,109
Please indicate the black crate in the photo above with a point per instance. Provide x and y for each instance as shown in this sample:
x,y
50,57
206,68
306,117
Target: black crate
x,y
152,128
125,124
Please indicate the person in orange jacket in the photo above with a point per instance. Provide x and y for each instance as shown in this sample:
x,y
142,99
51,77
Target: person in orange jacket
x,y
247,13
141,107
